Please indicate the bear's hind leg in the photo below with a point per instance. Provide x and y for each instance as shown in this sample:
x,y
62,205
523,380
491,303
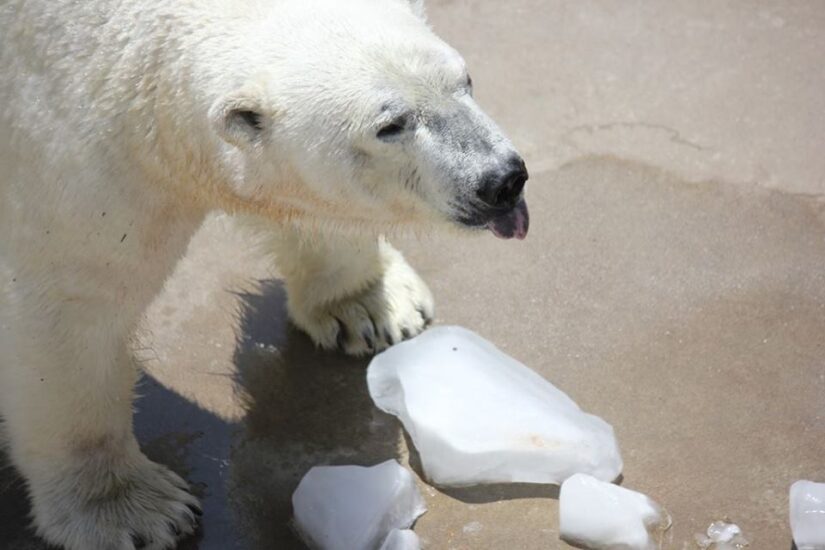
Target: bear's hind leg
x,y
66,391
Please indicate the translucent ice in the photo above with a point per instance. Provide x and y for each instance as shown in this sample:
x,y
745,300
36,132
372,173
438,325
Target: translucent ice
x,y
355,507
722,536
808,515
477,415
401,539
603,516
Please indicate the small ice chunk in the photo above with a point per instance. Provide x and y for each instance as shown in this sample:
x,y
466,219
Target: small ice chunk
x,y
602,516
808,515
476,415
722,536
401,539
355,507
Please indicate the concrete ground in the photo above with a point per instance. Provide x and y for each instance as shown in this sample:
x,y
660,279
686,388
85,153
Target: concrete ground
x,y
673,283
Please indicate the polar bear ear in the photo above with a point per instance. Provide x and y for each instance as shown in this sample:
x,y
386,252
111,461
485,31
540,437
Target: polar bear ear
x,y
240,118
417,7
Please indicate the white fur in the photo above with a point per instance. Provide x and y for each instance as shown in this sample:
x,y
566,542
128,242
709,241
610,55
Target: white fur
x,y
121,125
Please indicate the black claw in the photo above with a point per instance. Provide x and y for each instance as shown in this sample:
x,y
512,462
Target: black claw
x,y
197,510
405,333
388,338
368,339
374,326
341,339
174,528
426,318
138,541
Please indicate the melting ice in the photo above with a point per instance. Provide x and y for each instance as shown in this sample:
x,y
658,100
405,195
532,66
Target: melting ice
x,y
722,536
602,516
808,515
356,507
476,415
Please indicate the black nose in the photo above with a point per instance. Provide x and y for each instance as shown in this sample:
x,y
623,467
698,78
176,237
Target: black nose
x,y
502,187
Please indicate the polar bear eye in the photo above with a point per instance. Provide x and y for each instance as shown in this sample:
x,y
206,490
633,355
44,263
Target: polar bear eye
x,y
393,129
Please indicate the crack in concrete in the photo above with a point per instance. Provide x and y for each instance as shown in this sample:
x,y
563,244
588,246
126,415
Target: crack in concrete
x,y
674,135
814,200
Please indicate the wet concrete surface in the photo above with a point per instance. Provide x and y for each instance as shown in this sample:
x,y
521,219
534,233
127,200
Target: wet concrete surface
x,y
676,291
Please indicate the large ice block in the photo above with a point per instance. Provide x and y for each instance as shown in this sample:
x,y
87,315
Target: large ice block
x,y
602,516
476,415
807,501
355,507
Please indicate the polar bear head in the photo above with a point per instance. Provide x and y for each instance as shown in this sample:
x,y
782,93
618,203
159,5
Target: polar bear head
x,y
355,113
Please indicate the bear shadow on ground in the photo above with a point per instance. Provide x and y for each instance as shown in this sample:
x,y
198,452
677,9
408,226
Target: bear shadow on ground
x,y
304,407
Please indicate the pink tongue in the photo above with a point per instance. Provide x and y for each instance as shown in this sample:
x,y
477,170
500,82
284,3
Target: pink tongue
x,y
512,224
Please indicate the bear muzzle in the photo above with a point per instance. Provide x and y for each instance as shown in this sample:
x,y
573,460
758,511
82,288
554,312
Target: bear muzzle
x,y
502,194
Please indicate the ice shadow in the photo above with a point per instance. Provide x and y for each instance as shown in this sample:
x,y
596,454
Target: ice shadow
x,y
304,407
497,492
482,494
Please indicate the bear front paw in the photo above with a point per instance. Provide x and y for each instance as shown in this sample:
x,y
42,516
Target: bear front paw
x,y
393,308
125,506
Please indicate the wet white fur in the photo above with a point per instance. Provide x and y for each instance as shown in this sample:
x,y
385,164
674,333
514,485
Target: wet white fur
x,y
117,137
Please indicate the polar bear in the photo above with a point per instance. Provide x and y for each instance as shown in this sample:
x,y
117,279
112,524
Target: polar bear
x,y
122,124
